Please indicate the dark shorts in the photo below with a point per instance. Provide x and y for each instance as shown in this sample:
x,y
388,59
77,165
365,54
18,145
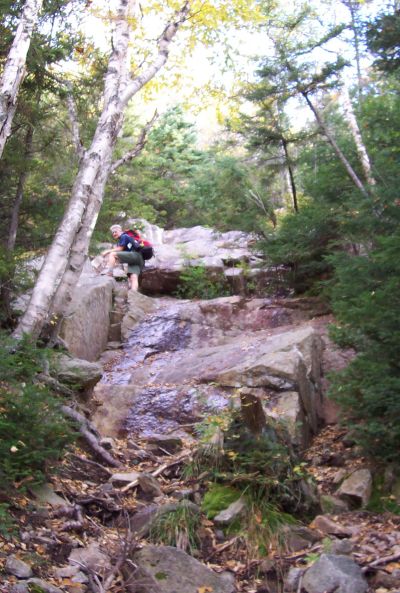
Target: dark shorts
x,y
133,259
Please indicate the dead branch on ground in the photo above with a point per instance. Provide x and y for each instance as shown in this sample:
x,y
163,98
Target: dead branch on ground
x,y
90,435
157,472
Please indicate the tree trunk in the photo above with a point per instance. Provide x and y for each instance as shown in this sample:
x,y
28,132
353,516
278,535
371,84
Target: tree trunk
x,y
356,133
353,9
79,252
14,69
12,232
80,247
291,175
76,228
6,285
349,169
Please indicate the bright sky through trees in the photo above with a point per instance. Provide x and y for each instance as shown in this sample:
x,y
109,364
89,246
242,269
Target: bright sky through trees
x,y
206,81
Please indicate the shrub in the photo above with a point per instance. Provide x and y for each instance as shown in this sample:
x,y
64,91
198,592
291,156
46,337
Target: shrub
x,y
195,282
301,243
33,431
366,301
264,468
177,528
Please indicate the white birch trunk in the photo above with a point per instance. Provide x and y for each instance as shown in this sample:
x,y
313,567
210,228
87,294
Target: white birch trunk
x,y
14,69
339,153
80,247
356,133
67,253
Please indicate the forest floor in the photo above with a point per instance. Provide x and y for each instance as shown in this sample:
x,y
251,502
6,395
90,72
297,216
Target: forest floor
x,y
99,511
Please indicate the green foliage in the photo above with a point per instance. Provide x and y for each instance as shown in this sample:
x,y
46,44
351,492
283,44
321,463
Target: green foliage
x,y
195,282
38,150
177,528
322,241
262,472
219,194
34,588
383,36
301,243
7,525
33,431
174,183
217,498
263,468
155,184
380,501
366,300
266,524
15,279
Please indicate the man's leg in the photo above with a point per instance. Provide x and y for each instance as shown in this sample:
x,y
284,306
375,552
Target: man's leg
x,y
111,262
133,282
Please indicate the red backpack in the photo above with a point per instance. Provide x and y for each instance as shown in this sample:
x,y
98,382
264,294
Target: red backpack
x,y
141,245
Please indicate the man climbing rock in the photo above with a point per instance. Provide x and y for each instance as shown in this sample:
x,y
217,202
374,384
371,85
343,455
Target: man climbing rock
x,y
124,252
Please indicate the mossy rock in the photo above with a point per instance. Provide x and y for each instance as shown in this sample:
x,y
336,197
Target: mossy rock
x,y
218,498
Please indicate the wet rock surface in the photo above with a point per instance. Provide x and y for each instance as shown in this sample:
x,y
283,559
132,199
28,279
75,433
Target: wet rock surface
x,y
187,359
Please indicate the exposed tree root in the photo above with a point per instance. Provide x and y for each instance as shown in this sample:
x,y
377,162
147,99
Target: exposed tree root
x,y
89,433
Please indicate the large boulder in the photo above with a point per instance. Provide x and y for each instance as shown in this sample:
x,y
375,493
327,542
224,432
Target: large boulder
x,y
357,488
334,573
289,409
85,327
80,374
168,372
219,253
169,570
113,405
138,306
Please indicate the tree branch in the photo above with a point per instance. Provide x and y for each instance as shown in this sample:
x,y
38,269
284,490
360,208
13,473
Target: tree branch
x,y
380,561
163,43
137,149
127,547
74,123
157,472
72,114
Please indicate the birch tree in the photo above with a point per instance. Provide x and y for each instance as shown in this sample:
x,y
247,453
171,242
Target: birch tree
x,y
332,141
14,69
357,137
80,244
71,242
69,249
294,72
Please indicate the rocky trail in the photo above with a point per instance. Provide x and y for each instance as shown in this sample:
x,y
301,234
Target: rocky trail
x,y
140,524
92,518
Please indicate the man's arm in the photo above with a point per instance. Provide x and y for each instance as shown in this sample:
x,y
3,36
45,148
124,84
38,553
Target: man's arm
x,y
113,250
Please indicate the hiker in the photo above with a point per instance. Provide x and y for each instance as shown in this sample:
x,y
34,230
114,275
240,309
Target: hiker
x,y
125,253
